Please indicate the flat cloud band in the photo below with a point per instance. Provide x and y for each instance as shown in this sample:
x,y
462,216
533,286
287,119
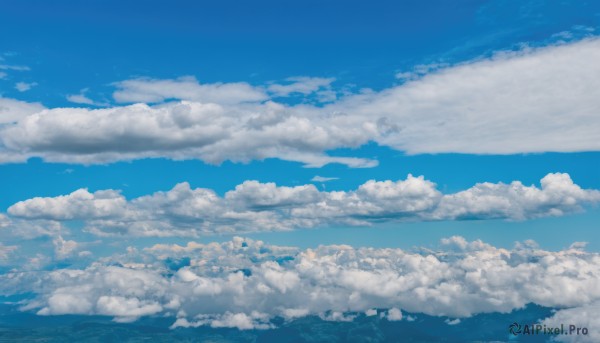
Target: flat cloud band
x,y
253,207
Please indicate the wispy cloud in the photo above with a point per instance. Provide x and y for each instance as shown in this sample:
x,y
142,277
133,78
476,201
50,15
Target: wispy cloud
x,y
24,86
82,98
318,178
14,67
186,88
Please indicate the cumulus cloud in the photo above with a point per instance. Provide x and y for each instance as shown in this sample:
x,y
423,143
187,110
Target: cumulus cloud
x,y
394,314
421,70
532,100
64,248
245,284
558,195
241,321
254,206
12,110
486,106
80,204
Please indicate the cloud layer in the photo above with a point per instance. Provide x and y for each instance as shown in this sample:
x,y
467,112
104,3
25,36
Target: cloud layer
x,y
533,100
245,284
253,206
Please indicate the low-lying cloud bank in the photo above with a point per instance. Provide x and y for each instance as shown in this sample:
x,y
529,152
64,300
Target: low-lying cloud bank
x,y
246,284
253,206
533,100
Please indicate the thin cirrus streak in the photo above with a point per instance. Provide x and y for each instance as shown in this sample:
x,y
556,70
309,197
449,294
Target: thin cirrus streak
x,y
253,206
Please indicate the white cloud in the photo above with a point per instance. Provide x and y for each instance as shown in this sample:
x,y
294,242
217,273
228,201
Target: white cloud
x,y
421,70
5,251
301,85
245,284
2,75
80,99
241,321
337,316
4,221
126,309
24,86
557,196
371,312
36,262
30,229
64,248
534,100
455,321
528,101
254,206
14,110
66,303
80,204
178,131
14,67
256,195
318,178
186,88
394,314
586,316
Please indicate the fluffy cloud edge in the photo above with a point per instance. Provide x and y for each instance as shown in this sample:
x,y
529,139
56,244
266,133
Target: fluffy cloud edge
x,y
253,206
477,107
245,284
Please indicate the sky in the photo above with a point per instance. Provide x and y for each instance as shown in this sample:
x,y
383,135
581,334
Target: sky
x,y
415,126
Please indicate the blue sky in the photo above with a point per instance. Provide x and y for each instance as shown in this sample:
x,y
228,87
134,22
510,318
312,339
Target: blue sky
x,y
101,42
128,124
84,48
